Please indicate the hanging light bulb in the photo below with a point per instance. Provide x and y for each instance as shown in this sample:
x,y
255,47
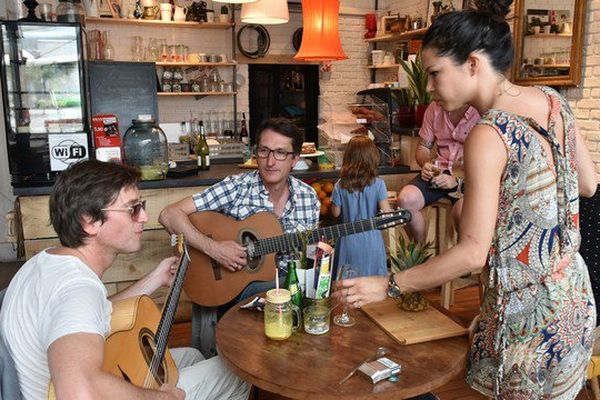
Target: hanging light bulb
x,y
265,12
234,1
320,34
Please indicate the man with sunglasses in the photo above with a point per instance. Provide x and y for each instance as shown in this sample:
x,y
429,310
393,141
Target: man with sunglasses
x,y
56,313
271,188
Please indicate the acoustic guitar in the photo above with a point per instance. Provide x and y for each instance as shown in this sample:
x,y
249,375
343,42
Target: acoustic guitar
x,y
136,350
208,284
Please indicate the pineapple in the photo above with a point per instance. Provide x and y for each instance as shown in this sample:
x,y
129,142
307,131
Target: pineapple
x,y
410,254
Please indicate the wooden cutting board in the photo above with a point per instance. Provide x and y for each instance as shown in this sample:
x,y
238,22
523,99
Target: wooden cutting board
x,y
409,327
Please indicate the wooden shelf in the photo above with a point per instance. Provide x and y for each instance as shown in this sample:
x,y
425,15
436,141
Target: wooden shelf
x,y
383,66
188,64
172,24
548,65
196,93
548,35
394,37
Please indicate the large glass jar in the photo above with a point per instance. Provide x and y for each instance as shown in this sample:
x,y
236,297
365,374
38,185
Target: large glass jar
x,y
146,148
70,11
279,321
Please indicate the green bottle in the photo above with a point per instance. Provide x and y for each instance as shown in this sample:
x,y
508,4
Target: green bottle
x,y
202,149
292,284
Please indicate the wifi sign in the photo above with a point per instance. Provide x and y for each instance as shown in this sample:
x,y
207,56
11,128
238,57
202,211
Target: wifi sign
x,y
67,149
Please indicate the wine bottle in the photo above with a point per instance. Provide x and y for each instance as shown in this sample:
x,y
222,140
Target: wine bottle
x,y
202,150
244,131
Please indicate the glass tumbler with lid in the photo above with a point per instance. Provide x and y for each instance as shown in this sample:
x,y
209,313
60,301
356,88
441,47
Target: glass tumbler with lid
x,y
279,319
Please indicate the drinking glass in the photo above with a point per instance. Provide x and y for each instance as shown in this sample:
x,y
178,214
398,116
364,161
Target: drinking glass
x,y
346,271
435,170
458,170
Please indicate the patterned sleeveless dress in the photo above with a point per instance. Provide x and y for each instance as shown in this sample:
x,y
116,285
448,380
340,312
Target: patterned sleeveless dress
x,y
534,338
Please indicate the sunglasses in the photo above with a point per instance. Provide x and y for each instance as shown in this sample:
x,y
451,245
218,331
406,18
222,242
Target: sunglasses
x,y
134,210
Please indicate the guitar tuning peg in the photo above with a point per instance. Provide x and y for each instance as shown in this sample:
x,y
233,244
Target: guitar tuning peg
x,y
173,239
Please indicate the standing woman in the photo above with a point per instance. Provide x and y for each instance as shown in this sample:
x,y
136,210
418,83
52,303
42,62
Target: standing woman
x,y
526,167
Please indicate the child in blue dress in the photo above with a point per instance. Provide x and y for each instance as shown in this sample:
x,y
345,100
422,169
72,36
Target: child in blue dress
x,y
360,194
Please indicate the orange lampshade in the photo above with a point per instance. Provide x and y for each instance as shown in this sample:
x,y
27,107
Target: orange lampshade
x,y
320,31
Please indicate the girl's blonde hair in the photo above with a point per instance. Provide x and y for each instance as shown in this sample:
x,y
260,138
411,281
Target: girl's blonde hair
x,y
361,162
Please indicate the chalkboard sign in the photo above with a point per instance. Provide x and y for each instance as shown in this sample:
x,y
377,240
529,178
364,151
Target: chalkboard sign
x,y
126,89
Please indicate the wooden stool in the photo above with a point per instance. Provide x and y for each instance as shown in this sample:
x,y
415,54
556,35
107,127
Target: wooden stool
x,y
441,232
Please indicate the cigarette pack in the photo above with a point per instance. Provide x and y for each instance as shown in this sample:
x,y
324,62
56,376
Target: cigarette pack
x,y
380,369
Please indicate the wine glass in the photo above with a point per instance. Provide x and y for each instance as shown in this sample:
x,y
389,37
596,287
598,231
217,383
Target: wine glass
x,y
346,271
458,170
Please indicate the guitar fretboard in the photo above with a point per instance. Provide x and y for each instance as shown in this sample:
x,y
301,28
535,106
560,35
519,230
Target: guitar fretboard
x,y
290,241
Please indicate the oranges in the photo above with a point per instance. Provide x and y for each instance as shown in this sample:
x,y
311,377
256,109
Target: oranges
x,y
324,188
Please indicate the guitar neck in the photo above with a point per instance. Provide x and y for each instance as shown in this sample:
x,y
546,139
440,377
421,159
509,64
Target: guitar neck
x,y
169,309
291,241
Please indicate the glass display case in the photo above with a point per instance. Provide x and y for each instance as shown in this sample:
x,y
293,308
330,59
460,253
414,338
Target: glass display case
x,y
44,97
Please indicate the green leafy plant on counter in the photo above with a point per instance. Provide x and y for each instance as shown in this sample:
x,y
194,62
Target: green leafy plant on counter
x,y
417,79
411,253
403,97
224,10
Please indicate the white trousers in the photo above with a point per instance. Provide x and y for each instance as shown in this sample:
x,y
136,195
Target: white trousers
x,y
210,379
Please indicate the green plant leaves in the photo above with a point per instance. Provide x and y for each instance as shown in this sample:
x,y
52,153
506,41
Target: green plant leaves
x,y
417,79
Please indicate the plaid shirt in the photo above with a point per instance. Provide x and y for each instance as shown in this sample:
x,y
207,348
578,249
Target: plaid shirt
x,y
243,195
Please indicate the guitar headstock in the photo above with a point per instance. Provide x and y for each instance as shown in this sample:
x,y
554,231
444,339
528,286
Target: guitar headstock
x,y
393,218
178,241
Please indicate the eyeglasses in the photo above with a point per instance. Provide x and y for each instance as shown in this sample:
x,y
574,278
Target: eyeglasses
x,y
280,155
134,210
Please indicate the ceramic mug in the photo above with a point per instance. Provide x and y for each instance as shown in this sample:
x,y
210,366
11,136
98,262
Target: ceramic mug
x,y
210,16
180,13
166,11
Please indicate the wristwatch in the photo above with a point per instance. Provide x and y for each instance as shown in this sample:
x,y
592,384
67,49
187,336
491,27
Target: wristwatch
x,y
393,290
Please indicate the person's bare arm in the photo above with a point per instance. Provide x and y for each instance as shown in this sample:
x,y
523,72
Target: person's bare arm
x,y
335,210
75,363
161,276
175,219
384,205
587,178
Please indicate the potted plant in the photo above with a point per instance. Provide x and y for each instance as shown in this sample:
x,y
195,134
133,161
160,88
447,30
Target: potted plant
x,y
410,254
417,80
406,107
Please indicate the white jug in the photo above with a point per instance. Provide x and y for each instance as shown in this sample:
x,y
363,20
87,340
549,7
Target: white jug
x,y
180,13
91,8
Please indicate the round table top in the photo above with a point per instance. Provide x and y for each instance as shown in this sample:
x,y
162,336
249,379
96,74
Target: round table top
x,y
306,366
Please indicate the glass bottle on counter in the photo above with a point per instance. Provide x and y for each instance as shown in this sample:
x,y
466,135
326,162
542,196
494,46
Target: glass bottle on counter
x,y
203,150
145,146
293,284
245,138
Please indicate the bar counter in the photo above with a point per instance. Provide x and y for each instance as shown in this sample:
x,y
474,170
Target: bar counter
x,y
217,173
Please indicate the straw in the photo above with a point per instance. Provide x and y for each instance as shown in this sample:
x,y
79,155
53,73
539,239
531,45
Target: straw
x,y
277,279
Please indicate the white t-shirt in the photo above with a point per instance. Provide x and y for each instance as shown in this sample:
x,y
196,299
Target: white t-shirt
x,y
51,296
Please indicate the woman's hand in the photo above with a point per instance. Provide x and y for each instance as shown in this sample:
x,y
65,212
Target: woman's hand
x,y
427,171
357,292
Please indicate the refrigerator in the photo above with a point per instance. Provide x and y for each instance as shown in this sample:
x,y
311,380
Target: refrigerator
x,y
44,99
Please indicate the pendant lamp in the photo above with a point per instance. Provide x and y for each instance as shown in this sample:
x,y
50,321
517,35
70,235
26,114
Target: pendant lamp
x,y
320,35
265,12
234,1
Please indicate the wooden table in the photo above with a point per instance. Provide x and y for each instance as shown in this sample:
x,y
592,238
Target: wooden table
x,y
310,367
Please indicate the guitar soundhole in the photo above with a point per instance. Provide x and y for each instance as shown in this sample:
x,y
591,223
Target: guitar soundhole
x,y
253,264
148,347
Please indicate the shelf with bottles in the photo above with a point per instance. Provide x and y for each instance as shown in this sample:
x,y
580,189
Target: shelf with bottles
x,y
160,23
396,37
197,93
193,64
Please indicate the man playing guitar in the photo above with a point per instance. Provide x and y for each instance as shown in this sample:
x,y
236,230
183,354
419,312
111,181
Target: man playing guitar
x,y
271,188
56,313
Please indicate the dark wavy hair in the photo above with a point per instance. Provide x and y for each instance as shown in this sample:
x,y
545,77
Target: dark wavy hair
x,y
84,189
458,34
284,127
361,162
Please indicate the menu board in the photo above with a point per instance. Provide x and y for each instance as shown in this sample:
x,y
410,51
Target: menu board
x,y
126,89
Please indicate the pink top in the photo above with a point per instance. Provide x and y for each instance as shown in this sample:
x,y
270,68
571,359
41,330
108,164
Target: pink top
x,y
450,139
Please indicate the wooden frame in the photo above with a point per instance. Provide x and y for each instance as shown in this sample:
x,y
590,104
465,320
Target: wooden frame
x,y
572,75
